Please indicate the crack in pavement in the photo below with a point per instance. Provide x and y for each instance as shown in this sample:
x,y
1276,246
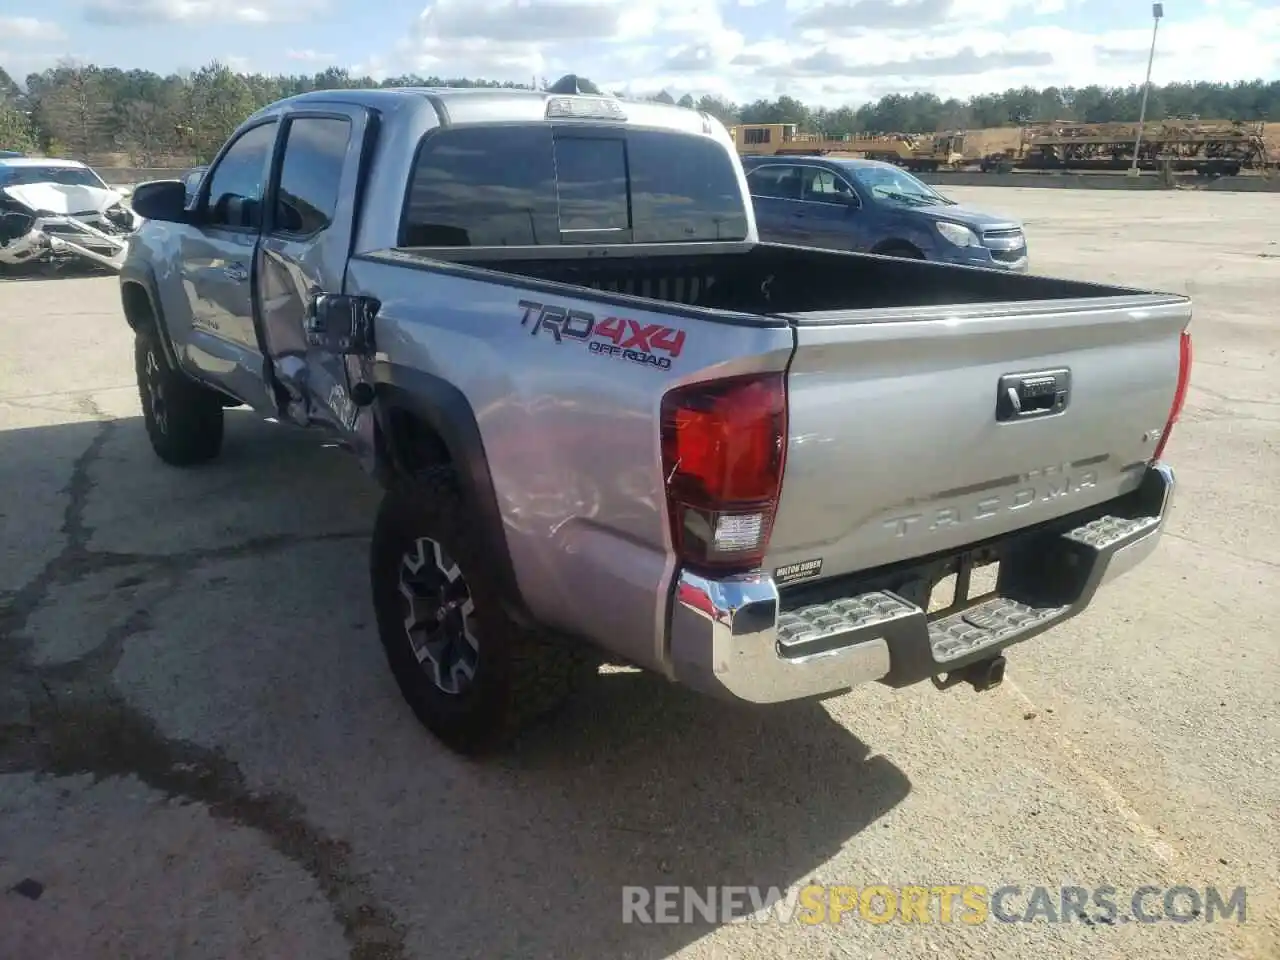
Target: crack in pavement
x,y
94,732
73,721
1207,545
1227,398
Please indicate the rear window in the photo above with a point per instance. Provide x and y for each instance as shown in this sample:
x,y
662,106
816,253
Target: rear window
x,y
591,184
538,185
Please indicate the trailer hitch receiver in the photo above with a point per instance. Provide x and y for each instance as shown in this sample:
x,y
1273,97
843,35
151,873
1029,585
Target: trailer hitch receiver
x,y
982,675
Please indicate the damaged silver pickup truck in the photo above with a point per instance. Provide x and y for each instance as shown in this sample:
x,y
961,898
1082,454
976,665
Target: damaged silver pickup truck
x,y
57,210
611,423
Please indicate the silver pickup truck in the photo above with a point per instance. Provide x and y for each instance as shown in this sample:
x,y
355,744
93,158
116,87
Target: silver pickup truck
x,y
610,424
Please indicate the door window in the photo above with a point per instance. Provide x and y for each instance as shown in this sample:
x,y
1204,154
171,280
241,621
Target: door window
x,y
238,181
315,152
775,182
823,186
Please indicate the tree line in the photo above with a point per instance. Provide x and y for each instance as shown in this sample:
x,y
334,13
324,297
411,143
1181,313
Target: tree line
x,y
87,111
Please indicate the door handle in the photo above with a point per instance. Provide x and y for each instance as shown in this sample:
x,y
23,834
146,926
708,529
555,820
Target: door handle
x,y
236,272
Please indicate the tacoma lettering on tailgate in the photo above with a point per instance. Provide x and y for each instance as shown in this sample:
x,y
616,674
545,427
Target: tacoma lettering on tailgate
x,y
618,337
1045,484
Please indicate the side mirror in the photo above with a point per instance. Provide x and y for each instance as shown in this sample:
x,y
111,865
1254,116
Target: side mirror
x,y
236,211
163,200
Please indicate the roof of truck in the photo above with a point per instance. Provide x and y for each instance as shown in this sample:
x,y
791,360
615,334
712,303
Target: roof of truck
x,y
461,94
496,104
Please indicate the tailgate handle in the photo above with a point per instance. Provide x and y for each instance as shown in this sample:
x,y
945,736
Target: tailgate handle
x,y
1024,396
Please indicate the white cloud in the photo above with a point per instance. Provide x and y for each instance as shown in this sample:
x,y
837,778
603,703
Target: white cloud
x,y
29,28
140,12
521,39
20,64
309,56
41,46
819,19
819,51
960,57
377,68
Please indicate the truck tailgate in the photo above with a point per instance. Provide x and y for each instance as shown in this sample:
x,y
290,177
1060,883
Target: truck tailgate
x,y
903,440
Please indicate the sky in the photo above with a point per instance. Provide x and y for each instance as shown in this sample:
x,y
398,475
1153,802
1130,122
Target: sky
x,y
827,52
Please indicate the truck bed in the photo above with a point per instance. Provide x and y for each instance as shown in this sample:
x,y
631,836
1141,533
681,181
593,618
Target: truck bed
x,y
770,280
897,371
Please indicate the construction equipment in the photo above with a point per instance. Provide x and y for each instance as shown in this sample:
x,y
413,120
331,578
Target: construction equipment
x,y
919,152
1207,147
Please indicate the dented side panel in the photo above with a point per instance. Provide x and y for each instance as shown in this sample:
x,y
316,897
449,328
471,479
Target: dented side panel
x,y
566,393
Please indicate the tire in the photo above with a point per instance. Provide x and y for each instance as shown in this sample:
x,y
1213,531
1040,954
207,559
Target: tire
x,y
184,420
424,540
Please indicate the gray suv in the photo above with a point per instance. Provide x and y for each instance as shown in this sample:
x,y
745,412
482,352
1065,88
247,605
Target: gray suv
x,y
873,207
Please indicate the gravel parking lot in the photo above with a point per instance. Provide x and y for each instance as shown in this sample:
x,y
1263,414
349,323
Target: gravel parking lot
x,y
202,754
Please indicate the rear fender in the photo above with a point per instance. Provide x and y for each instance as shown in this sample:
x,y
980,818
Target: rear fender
x,y
444,422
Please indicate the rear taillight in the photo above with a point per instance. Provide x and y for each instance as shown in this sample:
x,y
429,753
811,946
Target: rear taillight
x,y
723,450
1179,395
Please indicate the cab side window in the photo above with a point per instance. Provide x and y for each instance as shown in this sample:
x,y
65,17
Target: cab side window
x,y
239,180
315,151
778,182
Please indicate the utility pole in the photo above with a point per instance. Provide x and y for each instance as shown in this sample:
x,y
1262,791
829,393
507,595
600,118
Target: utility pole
x,y
1157,11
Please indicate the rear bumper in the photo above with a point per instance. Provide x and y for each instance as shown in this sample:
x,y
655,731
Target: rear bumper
x,y
739,637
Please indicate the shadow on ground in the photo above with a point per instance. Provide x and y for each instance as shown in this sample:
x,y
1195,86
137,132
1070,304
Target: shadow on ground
x,y
62,269
224,652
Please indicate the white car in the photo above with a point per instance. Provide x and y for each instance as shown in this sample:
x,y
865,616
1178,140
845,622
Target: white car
x,y
54,209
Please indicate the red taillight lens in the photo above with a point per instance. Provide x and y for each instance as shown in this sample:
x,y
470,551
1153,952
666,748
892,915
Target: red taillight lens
x,y
723,450
1179,395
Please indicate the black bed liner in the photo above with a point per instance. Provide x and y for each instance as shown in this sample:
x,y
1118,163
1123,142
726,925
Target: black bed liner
x,y
760,278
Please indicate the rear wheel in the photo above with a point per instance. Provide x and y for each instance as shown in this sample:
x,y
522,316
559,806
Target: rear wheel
x,y
183,419
472,675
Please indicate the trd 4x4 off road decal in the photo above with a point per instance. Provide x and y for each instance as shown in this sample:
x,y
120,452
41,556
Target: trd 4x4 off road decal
x,y
618,337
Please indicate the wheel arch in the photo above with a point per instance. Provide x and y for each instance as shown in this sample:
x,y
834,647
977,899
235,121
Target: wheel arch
x,y
141,305
888,248
424,421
